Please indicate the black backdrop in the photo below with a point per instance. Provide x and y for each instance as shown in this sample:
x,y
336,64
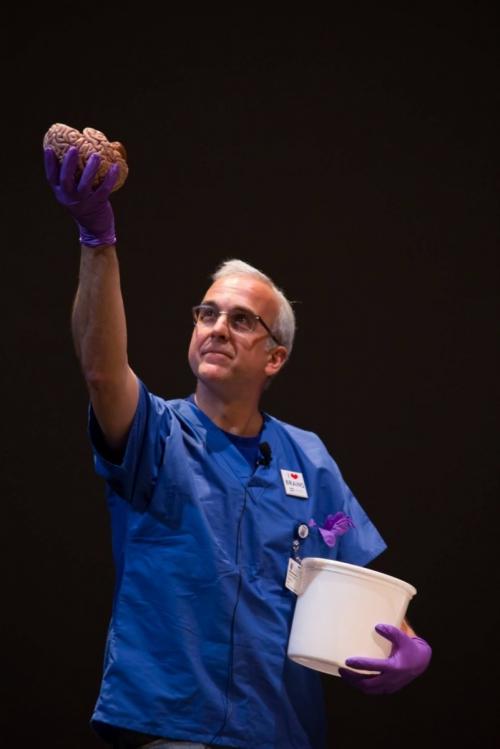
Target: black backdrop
x,y
353,160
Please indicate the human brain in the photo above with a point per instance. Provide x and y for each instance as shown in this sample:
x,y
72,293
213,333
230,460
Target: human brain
x,y
60,137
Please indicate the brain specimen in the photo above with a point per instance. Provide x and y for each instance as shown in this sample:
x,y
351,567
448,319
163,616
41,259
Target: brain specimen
x,y
61,137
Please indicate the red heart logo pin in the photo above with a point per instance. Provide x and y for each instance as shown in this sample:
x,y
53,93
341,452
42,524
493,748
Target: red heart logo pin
x,y
294,475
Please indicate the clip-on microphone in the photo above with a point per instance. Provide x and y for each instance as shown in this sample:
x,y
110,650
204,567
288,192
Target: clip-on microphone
x,y
265,451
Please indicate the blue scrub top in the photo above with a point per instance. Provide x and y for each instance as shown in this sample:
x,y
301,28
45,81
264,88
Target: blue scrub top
x,y
196,648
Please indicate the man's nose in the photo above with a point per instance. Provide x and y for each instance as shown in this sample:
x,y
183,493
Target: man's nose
x,y
221,325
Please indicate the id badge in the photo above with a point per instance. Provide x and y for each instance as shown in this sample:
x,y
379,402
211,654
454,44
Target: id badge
x,y
293,576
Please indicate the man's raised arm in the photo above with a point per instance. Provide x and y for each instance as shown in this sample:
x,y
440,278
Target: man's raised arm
x,y
98,321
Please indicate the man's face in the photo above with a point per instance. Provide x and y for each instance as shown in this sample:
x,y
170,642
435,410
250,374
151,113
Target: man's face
x,y
239,362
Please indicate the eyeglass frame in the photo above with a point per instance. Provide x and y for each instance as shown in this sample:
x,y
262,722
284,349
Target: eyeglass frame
x,y
256,317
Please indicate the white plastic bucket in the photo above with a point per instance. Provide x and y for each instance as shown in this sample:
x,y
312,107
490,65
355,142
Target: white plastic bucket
x,y
337,609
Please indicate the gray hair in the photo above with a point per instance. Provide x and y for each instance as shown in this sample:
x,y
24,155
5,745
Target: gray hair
x,y
284,325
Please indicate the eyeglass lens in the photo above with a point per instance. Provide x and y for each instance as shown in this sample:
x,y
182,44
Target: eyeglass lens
x,y
238,319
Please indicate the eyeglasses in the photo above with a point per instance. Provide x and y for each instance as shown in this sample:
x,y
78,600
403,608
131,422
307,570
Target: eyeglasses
x,y
240,320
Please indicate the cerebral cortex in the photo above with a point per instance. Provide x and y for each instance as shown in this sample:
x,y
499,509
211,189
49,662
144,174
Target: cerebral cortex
x,y
60,137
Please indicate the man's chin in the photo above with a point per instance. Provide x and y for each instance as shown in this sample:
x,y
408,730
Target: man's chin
x,y
211,370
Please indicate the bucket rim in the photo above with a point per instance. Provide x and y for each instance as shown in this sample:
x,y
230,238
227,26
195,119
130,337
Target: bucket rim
x,y
355,570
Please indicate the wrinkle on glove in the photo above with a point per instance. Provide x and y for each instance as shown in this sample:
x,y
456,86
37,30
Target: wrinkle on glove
x,y
89,207
409,658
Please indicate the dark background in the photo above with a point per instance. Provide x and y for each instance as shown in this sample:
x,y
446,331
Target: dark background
x,y
355,161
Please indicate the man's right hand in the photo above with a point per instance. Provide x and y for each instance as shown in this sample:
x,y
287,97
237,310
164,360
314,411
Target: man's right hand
x,y
89,207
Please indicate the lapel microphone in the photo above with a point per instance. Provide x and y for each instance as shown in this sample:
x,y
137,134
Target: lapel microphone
x,y
265,451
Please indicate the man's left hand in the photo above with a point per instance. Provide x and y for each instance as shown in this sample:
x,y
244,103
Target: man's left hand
x,y
409,657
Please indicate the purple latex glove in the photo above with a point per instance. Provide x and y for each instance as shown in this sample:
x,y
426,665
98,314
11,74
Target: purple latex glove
x,y
89,207
409,657
334,526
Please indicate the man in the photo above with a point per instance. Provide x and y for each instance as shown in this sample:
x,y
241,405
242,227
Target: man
x,y
209,498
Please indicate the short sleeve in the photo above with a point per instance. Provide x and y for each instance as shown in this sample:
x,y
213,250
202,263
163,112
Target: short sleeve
x,y
363,542
134,474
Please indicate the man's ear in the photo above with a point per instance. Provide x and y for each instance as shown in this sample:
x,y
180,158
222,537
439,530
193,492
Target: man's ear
x,y
277,357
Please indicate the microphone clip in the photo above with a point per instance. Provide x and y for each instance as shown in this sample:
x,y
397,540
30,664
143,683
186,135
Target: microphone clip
x,y
266,455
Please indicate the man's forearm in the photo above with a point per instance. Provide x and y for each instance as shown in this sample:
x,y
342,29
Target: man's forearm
x,y
98,319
